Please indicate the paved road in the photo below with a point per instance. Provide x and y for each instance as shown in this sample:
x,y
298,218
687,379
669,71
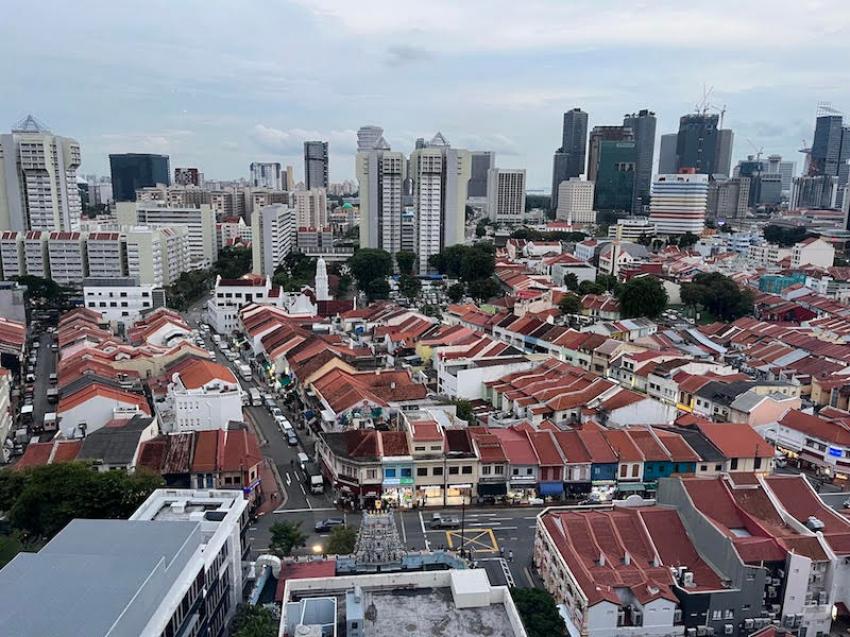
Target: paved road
x,y
45,365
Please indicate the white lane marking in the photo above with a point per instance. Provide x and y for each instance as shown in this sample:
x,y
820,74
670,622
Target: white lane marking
x,y
288,479
504,528
528,577
424,532
302,510
403,531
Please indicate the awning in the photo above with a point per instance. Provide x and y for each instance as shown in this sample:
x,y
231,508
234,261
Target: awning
x,y
550,489
495,488
630,487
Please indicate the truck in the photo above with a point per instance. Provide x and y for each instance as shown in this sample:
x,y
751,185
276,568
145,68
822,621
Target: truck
x,y
53,395
256,398
245,371
313,477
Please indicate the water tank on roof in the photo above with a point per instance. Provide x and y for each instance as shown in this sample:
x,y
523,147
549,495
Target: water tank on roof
x,y
814,523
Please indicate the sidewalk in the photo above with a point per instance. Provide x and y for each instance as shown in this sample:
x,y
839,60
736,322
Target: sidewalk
x,y
274,496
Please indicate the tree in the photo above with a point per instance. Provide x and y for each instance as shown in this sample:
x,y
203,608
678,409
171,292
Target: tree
x,y
608,281
464,410
40,501
254,621
590,287
687,240
404,260
468,263
539,613
368,264
481,228
692,295
477,264
483,289
409,286
342,541
719,294
343,285
233,262
571,281
643,296
570,304
378,289
286,536
455,292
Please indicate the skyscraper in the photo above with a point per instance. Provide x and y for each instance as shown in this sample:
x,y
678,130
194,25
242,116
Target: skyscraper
x,y
482,162
316,165
38,179
271,237
599,134
615,175
367,137
265,174
188,177
643,128
678,203
668,161
132,171
287,178
506,195
702,146
311,208
828,146
440,177
575,201
723,160
381,175
569,158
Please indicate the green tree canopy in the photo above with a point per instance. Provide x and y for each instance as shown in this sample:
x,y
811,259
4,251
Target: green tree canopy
x,y
233,262
455,292
538,612
570,304
464,410
608,281
687,240
40,501
254,621
468,263
643,296
483,289
378,289
571,281
719,294
342,541
785,236
409,286
369,264
286,536
590,287
405,260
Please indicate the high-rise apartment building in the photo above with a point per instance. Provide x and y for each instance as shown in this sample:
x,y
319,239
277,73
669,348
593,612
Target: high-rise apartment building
x,y
266,174
316,165
157,255
188,177
133,171
668,161
272,230
311,208
785,169
642,125
570,157
106,255
367,137
506,195
287,178
199,222
615,175
440,176
728,198
481,163
38,179
678,203
381,174
575,201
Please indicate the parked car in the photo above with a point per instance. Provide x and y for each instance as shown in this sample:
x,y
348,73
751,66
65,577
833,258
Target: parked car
x,y
276,412
323,526
269,401
291,438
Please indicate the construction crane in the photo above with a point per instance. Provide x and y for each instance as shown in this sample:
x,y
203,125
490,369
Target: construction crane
x,y
759,151
703,105
721,110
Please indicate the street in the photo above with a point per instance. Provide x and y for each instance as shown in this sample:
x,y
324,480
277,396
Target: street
x,y
45,365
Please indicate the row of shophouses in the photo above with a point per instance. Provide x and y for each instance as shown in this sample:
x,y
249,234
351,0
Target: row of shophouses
x,y
430,461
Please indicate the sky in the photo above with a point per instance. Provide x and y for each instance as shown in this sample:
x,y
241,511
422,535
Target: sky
x,y
217,84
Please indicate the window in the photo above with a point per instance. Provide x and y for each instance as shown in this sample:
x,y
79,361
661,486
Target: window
x,y
516,472
486,470
703,467
466,470
718,467
389,473
421,471
757,463
406,473
438,471
716,615
529,471
419,448
453,471
734,464
635,470
624,471
730,614
499,469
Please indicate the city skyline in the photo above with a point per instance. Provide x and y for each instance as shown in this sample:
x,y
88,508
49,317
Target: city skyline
x,y
245,98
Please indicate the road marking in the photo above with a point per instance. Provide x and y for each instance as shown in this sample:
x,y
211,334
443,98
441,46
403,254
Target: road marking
x,y
403,532
252,528
288,479
504,528
528,577
503,519
424,533
480,540
303,510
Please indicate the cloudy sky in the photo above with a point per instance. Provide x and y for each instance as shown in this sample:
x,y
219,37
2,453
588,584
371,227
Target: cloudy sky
x,y
218,84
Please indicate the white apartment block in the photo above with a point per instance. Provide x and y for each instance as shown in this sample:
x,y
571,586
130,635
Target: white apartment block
x,y
157,256
259,198
575,201
106,255
38,179
173,568
381,175
230,202
67,254
12,260
120,300
266,175
200,223
631,229
271,240
440,177
231,294
766,254
229,231
506,194
35,254
202,396
678,203
311,208
813,251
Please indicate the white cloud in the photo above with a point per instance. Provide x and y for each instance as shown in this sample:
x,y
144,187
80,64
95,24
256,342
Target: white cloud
x,y
291,142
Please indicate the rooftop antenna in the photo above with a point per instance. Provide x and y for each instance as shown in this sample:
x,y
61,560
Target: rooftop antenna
x,y
30,124
825,108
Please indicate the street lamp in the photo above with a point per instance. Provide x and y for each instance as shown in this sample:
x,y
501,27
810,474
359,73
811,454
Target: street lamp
x,y
317,549
462,524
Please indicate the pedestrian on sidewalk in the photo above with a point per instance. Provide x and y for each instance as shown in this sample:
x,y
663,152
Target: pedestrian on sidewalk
x,y
502,551
510,556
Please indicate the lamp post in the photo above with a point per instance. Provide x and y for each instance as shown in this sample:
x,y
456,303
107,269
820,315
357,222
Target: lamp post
x,y
462,524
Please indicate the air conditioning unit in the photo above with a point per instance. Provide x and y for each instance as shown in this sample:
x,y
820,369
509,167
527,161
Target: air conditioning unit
x,y
776,581
702,631
771,591
691,632
728,629
798,620
823,598
637,617
749,624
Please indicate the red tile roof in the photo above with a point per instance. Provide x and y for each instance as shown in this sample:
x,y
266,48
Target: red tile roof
x,y
736,440
199,372
99,390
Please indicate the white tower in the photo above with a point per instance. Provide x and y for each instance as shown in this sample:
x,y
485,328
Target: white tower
x,y
322,293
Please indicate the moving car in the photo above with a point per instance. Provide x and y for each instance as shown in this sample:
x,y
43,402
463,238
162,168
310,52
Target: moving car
x,y
323,526
439,521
